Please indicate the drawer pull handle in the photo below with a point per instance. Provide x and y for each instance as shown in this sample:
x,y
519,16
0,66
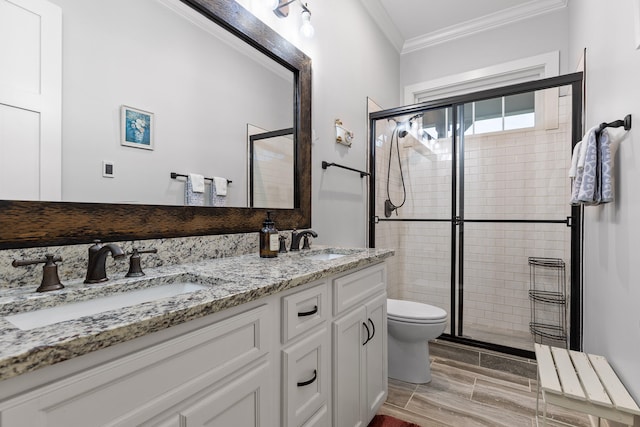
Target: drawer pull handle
x,y
304,383
368,333
309,313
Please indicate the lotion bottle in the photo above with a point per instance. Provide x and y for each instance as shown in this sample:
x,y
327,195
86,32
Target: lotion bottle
x,y
269,242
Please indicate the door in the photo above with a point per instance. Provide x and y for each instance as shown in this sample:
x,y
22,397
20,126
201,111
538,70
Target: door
x,y
376,354
349,370
30,100
243,401
469,190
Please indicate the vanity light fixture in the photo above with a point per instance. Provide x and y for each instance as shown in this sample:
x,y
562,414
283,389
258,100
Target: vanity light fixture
x,y
281,9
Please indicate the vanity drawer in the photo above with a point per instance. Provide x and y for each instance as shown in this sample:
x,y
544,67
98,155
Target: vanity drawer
x,y
305,379
352,288
304,310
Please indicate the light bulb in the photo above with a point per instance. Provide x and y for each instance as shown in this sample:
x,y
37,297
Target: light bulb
x,y
306,29
272,4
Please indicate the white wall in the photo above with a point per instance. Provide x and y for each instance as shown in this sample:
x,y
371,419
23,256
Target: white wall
x,y
612,232
535,36
351,59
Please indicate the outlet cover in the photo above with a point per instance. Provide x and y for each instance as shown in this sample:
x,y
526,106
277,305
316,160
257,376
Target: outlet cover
x,y
107,169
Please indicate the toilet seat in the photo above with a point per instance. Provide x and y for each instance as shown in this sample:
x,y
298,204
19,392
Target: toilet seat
x,y
414,312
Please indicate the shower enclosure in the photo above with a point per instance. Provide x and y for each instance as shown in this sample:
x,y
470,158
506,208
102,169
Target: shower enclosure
x,y
468,189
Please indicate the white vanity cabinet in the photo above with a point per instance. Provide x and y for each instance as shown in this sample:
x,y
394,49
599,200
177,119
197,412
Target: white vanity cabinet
x,y
359,346
209,375
310,356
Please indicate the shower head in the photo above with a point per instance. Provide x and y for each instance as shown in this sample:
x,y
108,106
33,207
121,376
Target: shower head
x,y
417,116
406,124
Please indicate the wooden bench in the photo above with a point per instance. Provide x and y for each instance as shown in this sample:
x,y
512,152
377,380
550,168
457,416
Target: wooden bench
x,y
582,382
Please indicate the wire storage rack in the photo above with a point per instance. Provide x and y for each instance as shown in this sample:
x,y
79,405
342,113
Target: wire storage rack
x,y
548,299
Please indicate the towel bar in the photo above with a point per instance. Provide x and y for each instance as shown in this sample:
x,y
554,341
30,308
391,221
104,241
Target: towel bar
x,y
362,173
175,175
626,122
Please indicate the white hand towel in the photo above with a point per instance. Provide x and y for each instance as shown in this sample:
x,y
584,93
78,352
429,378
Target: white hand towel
x,y
573,171
221,185
197,182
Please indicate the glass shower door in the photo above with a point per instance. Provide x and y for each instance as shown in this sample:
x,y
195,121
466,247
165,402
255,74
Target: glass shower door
x,y
414,204
514,195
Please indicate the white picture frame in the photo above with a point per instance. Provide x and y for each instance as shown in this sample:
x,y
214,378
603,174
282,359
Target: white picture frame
x,y
136,128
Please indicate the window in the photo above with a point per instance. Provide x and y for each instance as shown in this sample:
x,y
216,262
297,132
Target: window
x,y
500,114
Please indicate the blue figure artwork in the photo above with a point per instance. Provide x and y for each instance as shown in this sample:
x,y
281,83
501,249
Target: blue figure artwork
x,y
138,128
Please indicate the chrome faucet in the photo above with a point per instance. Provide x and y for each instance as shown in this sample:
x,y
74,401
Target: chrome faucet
x,y
96,270
296,236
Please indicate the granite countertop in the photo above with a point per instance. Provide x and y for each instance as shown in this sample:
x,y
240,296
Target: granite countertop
x,y
229,282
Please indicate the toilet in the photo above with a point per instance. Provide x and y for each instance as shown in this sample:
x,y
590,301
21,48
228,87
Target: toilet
x,y
410,326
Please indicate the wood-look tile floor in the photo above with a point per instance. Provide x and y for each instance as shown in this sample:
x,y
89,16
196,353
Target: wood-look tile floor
x,y
463,395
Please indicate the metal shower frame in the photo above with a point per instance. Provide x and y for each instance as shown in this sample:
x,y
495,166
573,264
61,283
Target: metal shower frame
x,y
575,221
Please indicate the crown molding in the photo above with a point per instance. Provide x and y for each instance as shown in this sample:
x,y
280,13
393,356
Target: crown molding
x,y
483,23
384,22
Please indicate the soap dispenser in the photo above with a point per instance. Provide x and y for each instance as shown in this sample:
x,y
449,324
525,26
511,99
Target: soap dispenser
x,y
269,242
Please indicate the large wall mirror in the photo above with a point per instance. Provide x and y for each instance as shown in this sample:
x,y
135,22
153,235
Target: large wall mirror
x,y
202,69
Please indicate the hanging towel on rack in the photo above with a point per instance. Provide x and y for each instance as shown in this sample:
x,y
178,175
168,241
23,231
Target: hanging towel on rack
x,y
592,168
575,159
221,185
578,159
608,145
197,182
218,186
583,190
192,197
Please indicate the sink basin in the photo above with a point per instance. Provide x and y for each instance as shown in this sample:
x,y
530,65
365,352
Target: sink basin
x,y
49,316
328,254
325,256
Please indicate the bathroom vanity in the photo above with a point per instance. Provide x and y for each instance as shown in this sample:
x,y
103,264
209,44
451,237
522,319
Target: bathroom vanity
x,y
299,340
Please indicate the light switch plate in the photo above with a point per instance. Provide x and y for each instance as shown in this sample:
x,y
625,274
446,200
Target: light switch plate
x,y
107,169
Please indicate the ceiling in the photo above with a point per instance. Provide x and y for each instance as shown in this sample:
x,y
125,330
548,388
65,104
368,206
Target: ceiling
x,y
416,24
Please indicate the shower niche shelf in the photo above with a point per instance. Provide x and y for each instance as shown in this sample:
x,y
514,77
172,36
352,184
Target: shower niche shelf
x,y
548,299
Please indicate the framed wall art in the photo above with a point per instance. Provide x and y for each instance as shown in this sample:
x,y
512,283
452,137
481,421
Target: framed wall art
x,y
136,127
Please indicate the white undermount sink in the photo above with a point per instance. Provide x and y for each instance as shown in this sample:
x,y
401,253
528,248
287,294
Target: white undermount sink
x,y
75,310
324,256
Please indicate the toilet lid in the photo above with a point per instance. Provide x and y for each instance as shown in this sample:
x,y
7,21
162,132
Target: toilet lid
x,y
414,312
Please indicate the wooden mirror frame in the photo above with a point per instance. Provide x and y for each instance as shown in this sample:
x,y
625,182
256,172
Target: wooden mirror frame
x,y
33,224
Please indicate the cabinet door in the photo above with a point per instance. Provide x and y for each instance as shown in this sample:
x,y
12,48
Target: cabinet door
x,y
135,388
349,370
305,381
242,401
319,419
376,354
